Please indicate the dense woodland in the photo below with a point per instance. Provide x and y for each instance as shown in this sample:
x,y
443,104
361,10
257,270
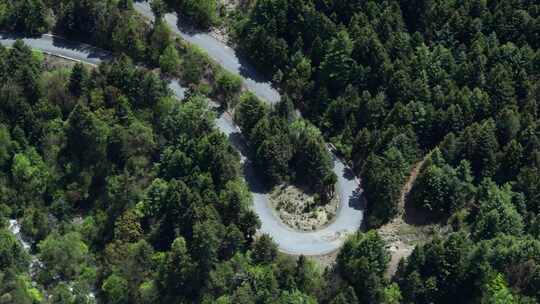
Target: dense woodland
x,y
393,82
126,193
388,85
145,194
112,25
286,148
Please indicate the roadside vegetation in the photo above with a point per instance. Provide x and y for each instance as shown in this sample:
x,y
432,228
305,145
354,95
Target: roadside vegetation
x,y
286,148
388,82
114,26
145,194
113,181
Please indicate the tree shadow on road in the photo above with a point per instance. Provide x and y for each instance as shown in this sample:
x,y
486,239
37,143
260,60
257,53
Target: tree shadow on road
x,y
357,200
253,179
246,70
93,52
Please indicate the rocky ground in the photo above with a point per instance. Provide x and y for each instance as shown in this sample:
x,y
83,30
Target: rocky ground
x,y
298,209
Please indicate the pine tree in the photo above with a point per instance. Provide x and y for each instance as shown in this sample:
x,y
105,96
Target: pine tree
x,y
77,80
170,60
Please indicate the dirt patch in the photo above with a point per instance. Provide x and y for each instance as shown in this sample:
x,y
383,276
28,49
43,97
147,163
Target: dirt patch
x,y
401,234
299,210
401,238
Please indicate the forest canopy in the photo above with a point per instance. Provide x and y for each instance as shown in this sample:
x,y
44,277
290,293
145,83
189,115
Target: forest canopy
x,y
127,195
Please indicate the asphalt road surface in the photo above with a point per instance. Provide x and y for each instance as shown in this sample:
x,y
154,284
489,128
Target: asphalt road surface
x,y
350,213
57,46
220,52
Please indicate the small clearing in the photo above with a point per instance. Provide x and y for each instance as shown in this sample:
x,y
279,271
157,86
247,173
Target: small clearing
x,y
299,210
400,236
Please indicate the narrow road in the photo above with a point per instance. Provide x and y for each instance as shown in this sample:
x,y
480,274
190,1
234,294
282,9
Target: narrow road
x,y
57,46
219,52
326,240
350,214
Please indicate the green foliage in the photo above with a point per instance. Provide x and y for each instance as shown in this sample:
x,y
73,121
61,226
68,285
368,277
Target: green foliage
x,y
383,177
170,61
86,136
228,87
441,188
295,297
35,224
115,289
18,289
112,25
176,272
298,80
496,291
160,39
438,272
497,212
286,148
28,16
311,160
264,250
6,146
458,269
404,74
64,257
194,64
12,254
127,37
386,81
337,66
66,293
106,170
362,262
200,12
249,112
345,296
30,174
159,8
392,294
77,79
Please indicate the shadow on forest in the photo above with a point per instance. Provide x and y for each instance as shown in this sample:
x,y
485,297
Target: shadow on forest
x,y
417,216
357,200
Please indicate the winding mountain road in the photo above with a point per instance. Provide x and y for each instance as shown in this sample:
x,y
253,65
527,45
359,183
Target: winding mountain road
x,y
219,52
57,46
350,213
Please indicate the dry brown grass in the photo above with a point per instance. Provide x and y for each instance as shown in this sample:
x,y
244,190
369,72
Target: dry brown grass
x,y
299,210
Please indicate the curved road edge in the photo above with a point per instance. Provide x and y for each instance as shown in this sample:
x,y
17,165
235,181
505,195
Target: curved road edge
x,y
350,215
324,241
